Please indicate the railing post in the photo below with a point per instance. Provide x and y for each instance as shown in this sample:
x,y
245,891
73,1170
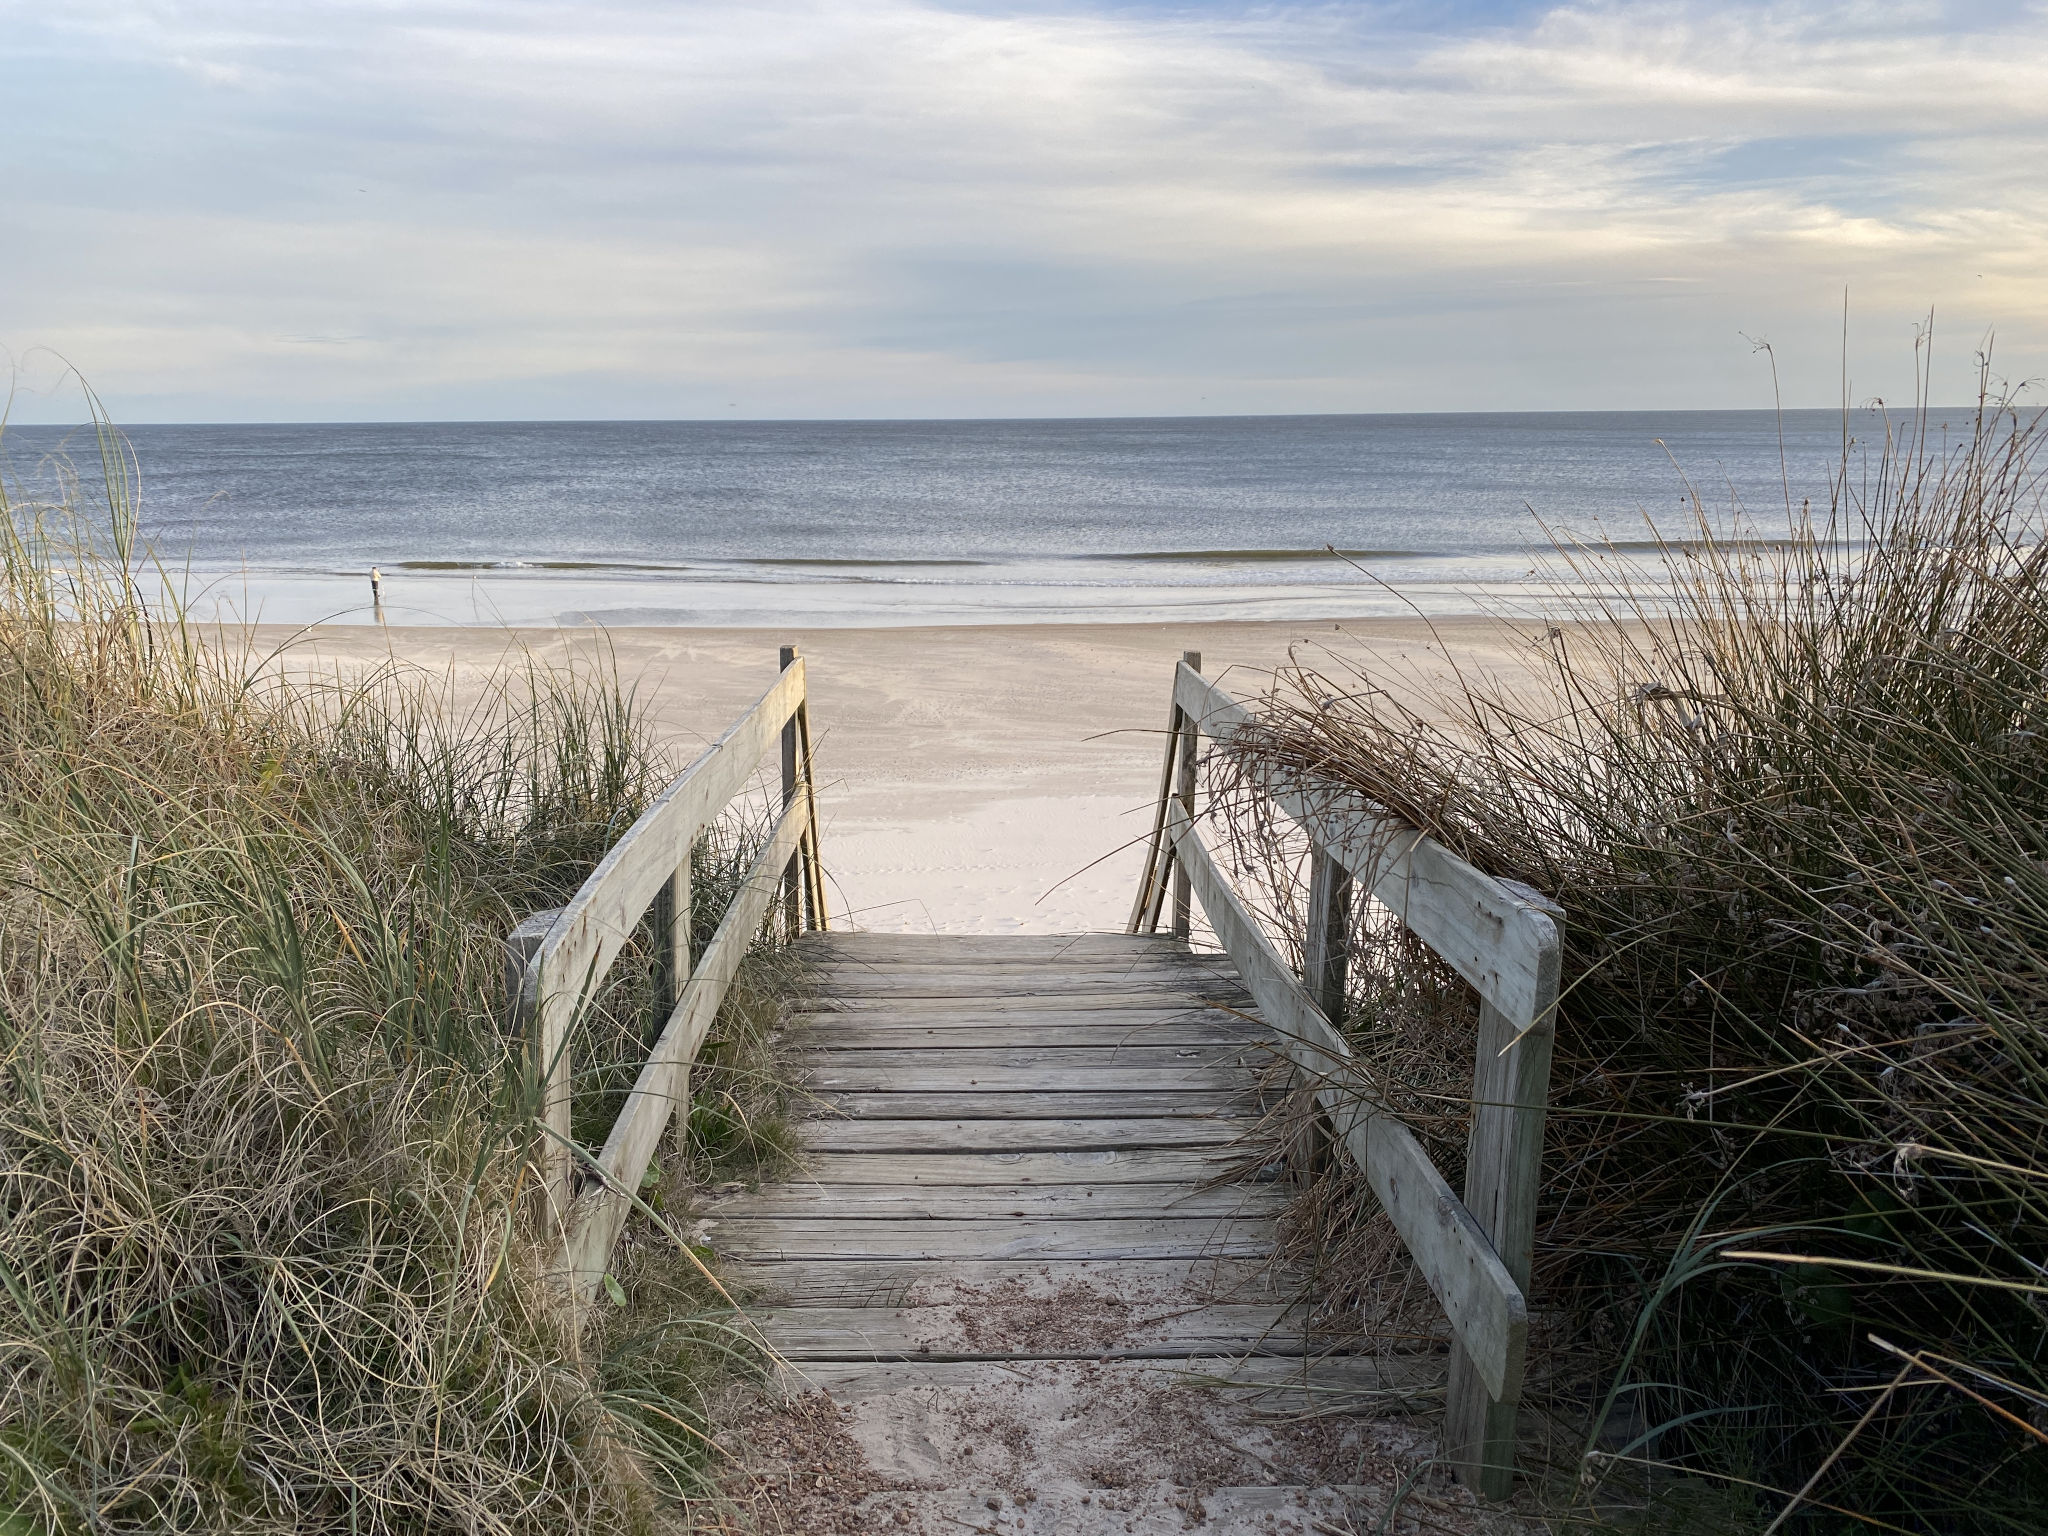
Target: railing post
x,y
1159,849
1190,742
1503,1177
525,1014
791,888
672,927
1326,956
1325,970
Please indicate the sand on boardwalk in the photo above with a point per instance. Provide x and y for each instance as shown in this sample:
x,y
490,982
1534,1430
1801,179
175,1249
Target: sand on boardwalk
x,y
988,779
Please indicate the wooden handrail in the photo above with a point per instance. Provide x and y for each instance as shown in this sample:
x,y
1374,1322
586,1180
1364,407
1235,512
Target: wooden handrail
x,y
558,960
1505,940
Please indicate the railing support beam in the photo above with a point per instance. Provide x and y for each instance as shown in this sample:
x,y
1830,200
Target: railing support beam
x,y
1503,938
1190,745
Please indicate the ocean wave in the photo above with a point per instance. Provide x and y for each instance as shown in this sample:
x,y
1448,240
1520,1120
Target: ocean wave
x,y
827,562
1696,546
1258,556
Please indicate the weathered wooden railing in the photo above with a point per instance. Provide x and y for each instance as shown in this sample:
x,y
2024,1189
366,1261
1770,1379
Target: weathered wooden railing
x,y
556,961
1501,937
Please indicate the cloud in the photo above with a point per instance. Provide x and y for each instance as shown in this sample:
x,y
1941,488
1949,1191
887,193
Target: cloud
x,y
895,208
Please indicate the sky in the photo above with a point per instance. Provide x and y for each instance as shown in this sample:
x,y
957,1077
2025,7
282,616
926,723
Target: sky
x,y
522,209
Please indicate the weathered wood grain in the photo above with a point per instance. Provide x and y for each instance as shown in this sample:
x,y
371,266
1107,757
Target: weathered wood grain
x,y
1281,1385
935,1074
1454,1255
1104,1166
966,946
1066,1001
1035,1202
892,1282
584,941
1079,1134
1230,1042
1123,1055
1194,1017
933,1333
796,1237
1503,1174
1498,937
1126,1104
597,1215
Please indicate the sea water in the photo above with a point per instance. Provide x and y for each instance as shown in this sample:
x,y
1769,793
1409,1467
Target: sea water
x,y
935,522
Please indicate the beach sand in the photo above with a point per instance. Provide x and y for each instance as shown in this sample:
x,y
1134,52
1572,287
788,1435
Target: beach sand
x,y
987,779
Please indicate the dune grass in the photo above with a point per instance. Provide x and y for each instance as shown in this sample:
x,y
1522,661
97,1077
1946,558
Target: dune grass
x,y
1795,804
266,1264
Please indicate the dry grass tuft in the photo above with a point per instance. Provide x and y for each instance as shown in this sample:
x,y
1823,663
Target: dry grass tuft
x,y
1793,795
264,1265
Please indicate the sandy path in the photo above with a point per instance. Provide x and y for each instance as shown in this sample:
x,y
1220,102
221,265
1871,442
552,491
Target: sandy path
x,y
972,778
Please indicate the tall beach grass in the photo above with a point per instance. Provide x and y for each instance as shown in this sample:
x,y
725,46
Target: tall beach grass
x,y
1794,801
266,1262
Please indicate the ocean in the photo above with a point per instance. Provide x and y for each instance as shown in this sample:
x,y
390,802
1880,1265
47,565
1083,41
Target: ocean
x,y
932,522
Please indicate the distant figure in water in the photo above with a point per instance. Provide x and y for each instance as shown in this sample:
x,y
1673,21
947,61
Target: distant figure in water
x,y
377,591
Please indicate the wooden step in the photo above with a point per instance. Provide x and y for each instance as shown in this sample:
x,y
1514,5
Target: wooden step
x,y
1039,1202
1075,1134
1031,1033
1296,1385
979,1330
1121,1055
802,1237
1097,1073
967,1105
893,1281
1109,1166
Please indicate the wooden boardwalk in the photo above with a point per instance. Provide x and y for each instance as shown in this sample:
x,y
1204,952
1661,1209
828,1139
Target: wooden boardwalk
x,y
1039,1155
1001,1122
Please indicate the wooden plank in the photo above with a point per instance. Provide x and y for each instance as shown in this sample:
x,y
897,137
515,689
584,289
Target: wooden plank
x,y
987,1202
1106,1166
969,947
808,1334
1155,843
1073,1135
1067,1001
891,1282
1486,1307
839,1074
796,1237
1503,1176
597,1215
1171,964
1121,1054
1497,936
814,864
1040,981
1326,956
1162,967
968,1107
1190,757
1228,1042
586,939
1290,1385
1167,959
1194,1015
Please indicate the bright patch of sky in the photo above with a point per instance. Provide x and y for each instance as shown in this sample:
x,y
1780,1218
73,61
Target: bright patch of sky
x,y
351,209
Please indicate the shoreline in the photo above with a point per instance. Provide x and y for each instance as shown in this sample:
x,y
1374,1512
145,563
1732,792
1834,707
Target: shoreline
x,y
972,778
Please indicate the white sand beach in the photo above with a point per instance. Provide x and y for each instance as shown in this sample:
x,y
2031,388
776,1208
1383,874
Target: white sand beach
x,y
973,780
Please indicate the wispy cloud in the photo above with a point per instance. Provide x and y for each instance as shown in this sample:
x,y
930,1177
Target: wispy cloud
x,y
892,208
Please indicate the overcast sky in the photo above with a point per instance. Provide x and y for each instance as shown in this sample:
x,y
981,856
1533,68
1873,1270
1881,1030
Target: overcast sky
x,y
346,209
